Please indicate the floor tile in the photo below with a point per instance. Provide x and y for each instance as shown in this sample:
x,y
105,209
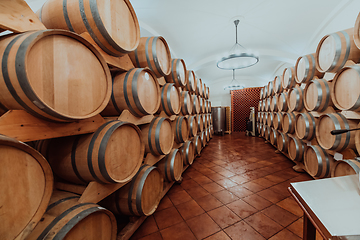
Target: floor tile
x,y
215,176
280,215
189,209
179,197
243,231
202,180
202,226
223,216
209,202
241,208
238,179
197,192
167,217
226,183
271,196
291,205
225,196
179,231
240,191
153,236
227,173
164,203
219,236
297,227
147,227
189,183
263,224
212,187
285,234
252,186
257,202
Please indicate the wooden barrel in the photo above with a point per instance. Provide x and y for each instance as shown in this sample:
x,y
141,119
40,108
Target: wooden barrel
x,y
190,85
171,166
98,156
288,123
186,103
317,161
267,133
317,95
345,93
26,185
205,120
178,73
357,31
305,69
199,87
196,104
345,168
202,105
305,126
296,149
335,121
265,117
200,123
296,99
140,197
278,84
335,49
170,99
203,138
273,103
265,92
270,118
207,135
158,136
50,78
181,129
267,104
277,120
210,133
112,25
193,126
66,218
282,141
270,88
209,106
288,79
258,116
260,106
273,136
283,102
207,95
154,53
197,145
261,93
137,91
187,151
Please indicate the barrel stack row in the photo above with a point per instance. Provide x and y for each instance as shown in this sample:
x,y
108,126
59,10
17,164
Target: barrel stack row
x,y
58,75
298,110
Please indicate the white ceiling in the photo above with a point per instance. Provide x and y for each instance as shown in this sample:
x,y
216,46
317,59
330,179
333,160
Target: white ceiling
x,y
200,31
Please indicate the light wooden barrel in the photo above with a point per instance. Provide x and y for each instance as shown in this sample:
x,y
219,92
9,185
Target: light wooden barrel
x,y
193,126
345,168
273,136
47,74
207,93
265,94
190,86
265,117
282,141
202,105
196,104
210,133
305,126
186,103
335,49
181,129
66,218
187,151
267,103
199,87
154,53
113,154
158,136
267,133
137,91
277,120
207,135
209,106
140,197
197,145
345,93
263,102
203,138
261,93
273,103
317,161
200,123
270,88
112,25
260,106
296,149
26,185
170,99
335,121
278,84
288,123
171,166
205,120
305,69
270,118
317,95
296,99
283,102
288,79
258,116
178,73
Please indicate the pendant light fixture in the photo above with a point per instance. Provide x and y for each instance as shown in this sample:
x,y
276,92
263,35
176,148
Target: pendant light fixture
x,y
234,84
239,57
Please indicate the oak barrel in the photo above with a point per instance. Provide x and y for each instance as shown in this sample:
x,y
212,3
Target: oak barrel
x,y
278,84
197,145
193,126
47,74
335,49
113,25
200,122
170,99
296,149
181,129
305,126
265,92
158,136
177,73
273,136
335,121
317,161
270,88
112,154
187,151
267,103
154,53
305,69
196,104
202,105
190,85
203,138
288,79
282,141
270,118
140,197
277,120
265,117
137,91
262,93
66,218
186,103
267,133
317,95
199,87
345,167
282,102
26,185
171,166
296,99
273,103
288,122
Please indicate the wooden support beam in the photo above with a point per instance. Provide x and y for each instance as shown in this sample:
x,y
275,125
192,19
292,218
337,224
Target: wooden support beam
x,y
126,116
151,159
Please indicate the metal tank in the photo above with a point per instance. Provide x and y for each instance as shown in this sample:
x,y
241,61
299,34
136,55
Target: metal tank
x,y
219,119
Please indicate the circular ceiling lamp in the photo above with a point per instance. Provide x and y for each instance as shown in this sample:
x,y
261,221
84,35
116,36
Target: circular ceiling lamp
x,y
239,57
234,84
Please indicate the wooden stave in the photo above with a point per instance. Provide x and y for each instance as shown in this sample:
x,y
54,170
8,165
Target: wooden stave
x,y
310,126
196,104
299,103
187,151
278,120
180,136
167,105
353,167
311,69
299,149
288,125
186,103
273,136
273,103
197,145
278,87
193,127
324,99
270,118
324,160
270,88
190,86
290,82
199,87
267,133
171,166
175,75
283,102
282,141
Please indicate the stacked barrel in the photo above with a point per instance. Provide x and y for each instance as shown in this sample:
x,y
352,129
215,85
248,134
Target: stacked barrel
x,y
319,94
57,75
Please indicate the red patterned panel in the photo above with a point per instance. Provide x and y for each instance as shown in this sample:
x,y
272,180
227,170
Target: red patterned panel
x,y
241,101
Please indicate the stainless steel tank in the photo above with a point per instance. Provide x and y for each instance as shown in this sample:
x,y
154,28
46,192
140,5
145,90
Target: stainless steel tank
x,y
219,119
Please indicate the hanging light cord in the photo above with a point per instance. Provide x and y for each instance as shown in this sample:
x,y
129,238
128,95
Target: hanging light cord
x,y
236,22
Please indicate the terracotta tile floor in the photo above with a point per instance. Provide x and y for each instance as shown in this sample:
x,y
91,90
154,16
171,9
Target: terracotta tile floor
x,y
236,189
